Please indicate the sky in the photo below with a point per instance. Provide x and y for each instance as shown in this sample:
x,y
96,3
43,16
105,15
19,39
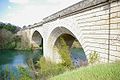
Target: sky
x,y
28,12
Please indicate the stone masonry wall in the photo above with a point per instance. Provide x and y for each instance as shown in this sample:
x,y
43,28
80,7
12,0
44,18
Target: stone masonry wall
x,y
96,25
100,31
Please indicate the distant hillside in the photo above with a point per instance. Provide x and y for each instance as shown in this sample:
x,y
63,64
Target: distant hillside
x,y
7,35
9,27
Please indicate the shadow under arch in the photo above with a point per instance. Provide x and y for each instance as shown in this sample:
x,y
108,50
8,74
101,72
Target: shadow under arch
x,y
37,47
78,56
37,40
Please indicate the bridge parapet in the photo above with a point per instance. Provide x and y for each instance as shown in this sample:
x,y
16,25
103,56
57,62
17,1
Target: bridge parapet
x,y
37,24
75,9
72,10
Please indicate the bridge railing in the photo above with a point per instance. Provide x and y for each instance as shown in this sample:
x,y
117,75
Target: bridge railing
x,y
72,10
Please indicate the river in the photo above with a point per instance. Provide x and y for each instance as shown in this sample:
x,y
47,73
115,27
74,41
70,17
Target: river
x,y
12,59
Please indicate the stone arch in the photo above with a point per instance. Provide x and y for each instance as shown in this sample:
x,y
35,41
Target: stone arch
x,y
37,40
70,39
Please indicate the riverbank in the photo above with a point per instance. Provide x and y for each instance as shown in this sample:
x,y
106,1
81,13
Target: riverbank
x,y
98,72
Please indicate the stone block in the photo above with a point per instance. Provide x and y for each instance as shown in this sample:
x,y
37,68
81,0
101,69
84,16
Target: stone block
x,y
114,4
113,26
113,15
106,16
115,20
118,14
115,9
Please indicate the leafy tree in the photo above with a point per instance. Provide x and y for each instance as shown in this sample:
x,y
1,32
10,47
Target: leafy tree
x,y
7,37
64,52
9,27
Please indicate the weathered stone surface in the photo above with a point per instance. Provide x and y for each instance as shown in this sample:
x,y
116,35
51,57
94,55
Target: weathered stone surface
x,y
96,27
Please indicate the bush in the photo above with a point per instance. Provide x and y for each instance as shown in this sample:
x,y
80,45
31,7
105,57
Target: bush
x,y
64,52
9,27
6,74
93,57
8,40
48,69
24,74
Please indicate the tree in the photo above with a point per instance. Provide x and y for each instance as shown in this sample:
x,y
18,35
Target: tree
x,y
9,27
64,52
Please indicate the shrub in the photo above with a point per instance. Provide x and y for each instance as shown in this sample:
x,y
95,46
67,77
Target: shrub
x,y
64,53
24,74
6,74
48,69
8,40
93,57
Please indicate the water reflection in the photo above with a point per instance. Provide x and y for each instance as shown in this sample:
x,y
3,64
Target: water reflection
x,y
14,58
19,60
78,57
6,56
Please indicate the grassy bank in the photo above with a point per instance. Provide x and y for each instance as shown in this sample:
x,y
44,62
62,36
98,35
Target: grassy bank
x,y
98,72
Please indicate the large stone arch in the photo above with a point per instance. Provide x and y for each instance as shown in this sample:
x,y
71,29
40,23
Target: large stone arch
x,y
37,40
67,35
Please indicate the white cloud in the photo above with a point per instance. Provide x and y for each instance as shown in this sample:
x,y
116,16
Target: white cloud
x,y
9,7
31,13
19,1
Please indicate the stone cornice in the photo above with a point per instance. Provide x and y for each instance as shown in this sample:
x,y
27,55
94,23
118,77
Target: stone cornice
x,y
74,9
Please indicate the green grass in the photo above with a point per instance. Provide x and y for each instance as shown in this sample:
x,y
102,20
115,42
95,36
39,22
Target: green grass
x,y
97,72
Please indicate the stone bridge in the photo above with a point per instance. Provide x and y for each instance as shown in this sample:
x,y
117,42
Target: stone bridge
x,y
93,24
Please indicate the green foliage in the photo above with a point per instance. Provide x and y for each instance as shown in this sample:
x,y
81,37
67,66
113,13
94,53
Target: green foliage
x,y
9,27
12,77
93,57
24,74
8,40
6,74
48,69
64,53
17,41
10,45
96,72
7,37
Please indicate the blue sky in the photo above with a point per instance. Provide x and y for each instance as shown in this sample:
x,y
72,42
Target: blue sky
x,y
27,12
3,6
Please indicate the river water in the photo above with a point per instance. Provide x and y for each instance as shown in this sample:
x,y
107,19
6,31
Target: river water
x,y
12,59
78,57
15,58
